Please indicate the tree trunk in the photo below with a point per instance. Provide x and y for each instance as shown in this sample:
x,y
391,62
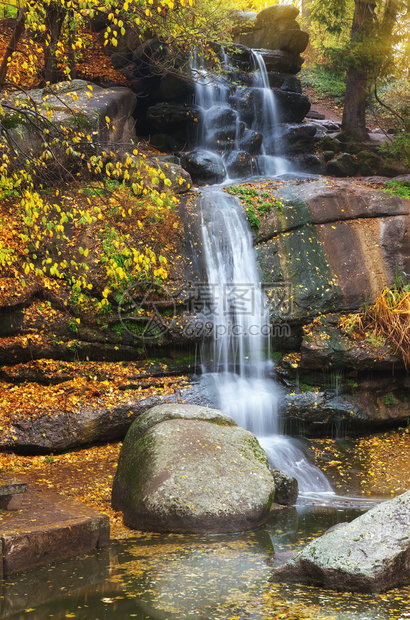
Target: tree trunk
x,y
71,51
354,110
12,46
305,14
55,16
366,26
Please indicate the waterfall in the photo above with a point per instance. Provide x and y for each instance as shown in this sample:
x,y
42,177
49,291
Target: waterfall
x,y
270,162
240,128
236,363
239,123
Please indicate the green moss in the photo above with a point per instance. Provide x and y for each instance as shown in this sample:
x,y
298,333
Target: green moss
x,y
253,219
12,121
398,188
389,400
305,387
83,121
118,329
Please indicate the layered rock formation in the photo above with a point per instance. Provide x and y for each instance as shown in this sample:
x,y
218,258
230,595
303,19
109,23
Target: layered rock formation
x,y
336,243
274,28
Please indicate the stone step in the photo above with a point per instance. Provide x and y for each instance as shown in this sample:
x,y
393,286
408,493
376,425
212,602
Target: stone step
x,y
316,115
48,528
11,494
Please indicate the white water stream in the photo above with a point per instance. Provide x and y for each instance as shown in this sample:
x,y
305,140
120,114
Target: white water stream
x,y
269,163
236,363
223,124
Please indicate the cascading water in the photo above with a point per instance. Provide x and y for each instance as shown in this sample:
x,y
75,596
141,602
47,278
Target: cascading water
x,y
240,128
236,365
240,124
211,92
269,163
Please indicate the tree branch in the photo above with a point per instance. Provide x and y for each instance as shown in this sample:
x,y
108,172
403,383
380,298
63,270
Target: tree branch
x,y
384,105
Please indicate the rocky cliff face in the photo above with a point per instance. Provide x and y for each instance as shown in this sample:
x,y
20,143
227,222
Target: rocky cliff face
x,y
337,244
274,28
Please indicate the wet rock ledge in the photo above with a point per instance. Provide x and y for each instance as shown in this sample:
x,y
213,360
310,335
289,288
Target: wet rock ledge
x,y
51,406
48,528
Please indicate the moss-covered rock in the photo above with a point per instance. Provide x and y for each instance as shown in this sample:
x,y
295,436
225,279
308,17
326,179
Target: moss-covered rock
x,y
344,165
185,468
370,554
369,163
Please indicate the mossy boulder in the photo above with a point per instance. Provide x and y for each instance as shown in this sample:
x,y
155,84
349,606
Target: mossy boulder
x,y
329,144
186,468
344,165
76,108
369,162
370,554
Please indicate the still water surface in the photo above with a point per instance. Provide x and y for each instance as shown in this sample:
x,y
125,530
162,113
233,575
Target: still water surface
x,y
159,577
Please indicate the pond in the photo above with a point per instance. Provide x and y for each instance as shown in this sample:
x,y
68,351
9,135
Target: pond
x,y
214,577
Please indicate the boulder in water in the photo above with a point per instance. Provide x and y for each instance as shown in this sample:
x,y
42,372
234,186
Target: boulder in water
x,y
286,488
186,468
204,166
370,554
239,164
251,142
220,117
249,103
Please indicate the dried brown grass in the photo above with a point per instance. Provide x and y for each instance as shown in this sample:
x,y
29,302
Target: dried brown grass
x,y
388,318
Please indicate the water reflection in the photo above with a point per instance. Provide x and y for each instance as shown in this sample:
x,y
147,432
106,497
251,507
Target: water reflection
x,y
202,577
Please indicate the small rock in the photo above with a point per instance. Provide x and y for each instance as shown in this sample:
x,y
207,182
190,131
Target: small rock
x,y
286,488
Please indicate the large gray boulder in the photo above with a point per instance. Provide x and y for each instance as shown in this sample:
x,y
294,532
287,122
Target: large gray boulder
x,y
370,554
186,468
69,109
275,28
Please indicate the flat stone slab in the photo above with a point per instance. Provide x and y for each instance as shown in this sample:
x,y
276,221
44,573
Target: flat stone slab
x,y
49,527
11,494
